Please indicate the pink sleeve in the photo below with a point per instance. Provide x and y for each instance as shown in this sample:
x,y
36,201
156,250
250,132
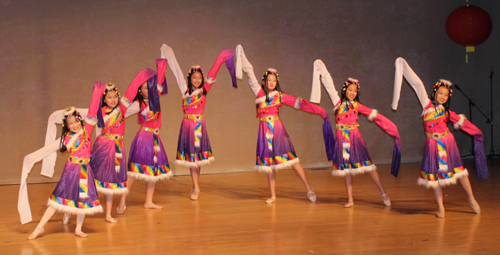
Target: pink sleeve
x,y
207,86
99,89
390,128
461,122
91,118
364,110
223,57
131,92
304,105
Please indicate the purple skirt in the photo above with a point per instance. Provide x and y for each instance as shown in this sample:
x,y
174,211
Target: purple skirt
x,y
453,169
147,160
188,154
274,151
358,161
104,167
66,195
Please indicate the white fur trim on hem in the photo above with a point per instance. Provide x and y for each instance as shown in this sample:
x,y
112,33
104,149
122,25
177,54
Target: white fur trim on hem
x,y
460,122
118,155
150,178
195,164
442,183
73,210
268,169
112,191
160,87
372,115
354,171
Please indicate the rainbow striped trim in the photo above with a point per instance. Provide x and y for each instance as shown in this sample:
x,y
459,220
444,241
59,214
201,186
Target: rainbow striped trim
x,y
194,157
346,144
442,155
148,170
270,134
274,100
441,176
78,142
110,185
352,166
264,161
197,133
346,108
438,113
83,186
192,99
74,203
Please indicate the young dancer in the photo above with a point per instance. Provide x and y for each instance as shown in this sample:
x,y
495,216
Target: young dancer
x,y
75,192
108,158
275,150
147,160
351,156
193,147
442,164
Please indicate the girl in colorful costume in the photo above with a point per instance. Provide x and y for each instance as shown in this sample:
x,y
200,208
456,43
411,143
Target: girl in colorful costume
x,y
351,156
275,150
442,164
193,147
147,158
108,158
75,192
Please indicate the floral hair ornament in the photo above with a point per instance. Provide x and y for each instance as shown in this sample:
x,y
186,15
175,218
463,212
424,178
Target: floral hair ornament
x,y
111,87
349,82
194,69
271,71
71,111
443,83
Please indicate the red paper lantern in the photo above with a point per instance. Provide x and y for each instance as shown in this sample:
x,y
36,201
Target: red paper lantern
x,y
469,25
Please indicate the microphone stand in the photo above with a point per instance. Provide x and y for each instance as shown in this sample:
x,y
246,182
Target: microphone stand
x,y
492,150
471,104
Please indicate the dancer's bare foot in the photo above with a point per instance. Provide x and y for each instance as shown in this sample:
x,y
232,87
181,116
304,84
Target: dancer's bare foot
x,y
152,206
349,204
475,206
111,220
195,193
440,213
36,233
271,200
80,233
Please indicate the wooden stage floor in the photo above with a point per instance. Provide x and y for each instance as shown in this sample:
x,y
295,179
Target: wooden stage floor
x,y
231,217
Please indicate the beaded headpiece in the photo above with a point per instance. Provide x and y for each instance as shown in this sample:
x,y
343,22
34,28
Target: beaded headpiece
x,y
111,87
271,71
349,82
194,69
443,83
71,111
